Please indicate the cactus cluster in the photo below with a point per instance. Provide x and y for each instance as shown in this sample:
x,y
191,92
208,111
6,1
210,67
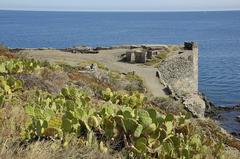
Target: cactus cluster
x,y
134,100
8,85
124,118
145,132
54,116
14,66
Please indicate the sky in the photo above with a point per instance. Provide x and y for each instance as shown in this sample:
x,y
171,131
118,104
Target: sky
x,y
120,5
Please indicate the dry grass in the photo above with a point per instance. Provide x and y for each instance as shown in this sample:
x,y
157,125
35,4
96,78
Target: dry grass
x,y
216,133
89,80
56,79
157,59
46,79
83,64
169,105
176,48
12,119
5,52
50,150
129,82
133,77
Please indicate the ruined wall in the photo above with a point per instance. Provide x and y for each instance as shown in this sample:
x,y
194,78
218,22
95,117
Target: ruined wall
x,y
181,72
195,67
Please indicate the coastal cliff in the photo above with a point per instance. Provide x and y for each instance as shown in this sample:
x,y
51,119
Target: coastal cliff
x,y
94,102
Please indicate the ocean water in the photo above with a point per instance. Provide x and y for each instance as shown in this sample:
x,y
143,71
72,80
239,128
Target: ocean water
x,y
217,33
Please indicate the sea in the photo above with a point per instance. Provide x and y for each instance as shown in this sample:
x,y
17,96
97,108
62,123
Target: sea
x,y
217,34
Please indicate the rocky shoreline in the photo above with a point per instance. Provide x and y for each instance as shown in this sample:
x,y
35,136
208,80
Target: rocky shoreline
x,y
88,49
216,113
212,109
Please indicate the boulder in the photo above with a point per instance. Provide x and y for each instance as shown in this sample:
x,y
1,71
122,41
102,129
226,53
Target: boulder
x,y
94,67
195,104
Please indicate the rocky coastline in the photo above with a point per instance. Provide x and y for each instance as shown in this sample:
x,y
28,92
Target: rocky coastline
x,y
216,112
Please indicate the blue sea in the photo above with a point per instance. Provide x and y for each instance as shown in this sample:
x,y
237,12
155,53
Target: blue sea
x,y
217,33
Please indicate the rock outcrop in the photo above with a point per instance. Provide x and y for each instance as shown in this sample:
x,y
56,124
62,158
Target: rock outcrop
x,y
195,104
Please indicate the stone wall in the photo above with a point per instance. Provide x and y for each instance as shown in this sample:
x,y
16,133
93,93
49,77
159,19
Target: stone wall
x,y
181,72
195,67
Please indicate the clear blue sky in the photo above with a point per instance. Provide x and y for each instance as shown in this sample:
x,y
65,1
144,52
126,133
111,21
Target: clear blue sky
x,y
110,5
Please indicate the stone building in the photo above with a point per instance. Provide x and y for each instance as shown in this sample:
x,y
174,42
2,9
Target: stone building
x,y
136,56
140,56
130,56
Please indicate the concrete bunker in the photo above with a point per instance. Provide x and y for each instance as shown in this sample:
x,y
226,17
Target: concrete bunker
x,y
140,56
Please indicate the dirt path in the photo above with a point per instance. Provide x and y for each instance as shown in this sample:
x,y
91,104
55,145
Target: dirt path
x,y
110,58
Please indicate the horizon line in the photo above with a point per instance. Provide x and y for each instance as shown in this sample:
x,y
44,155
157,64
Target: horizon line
x,y
42,10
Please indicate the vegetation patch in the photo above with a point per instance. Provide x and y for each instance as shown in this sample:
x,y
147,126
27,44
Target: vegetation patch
x,y
156,60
